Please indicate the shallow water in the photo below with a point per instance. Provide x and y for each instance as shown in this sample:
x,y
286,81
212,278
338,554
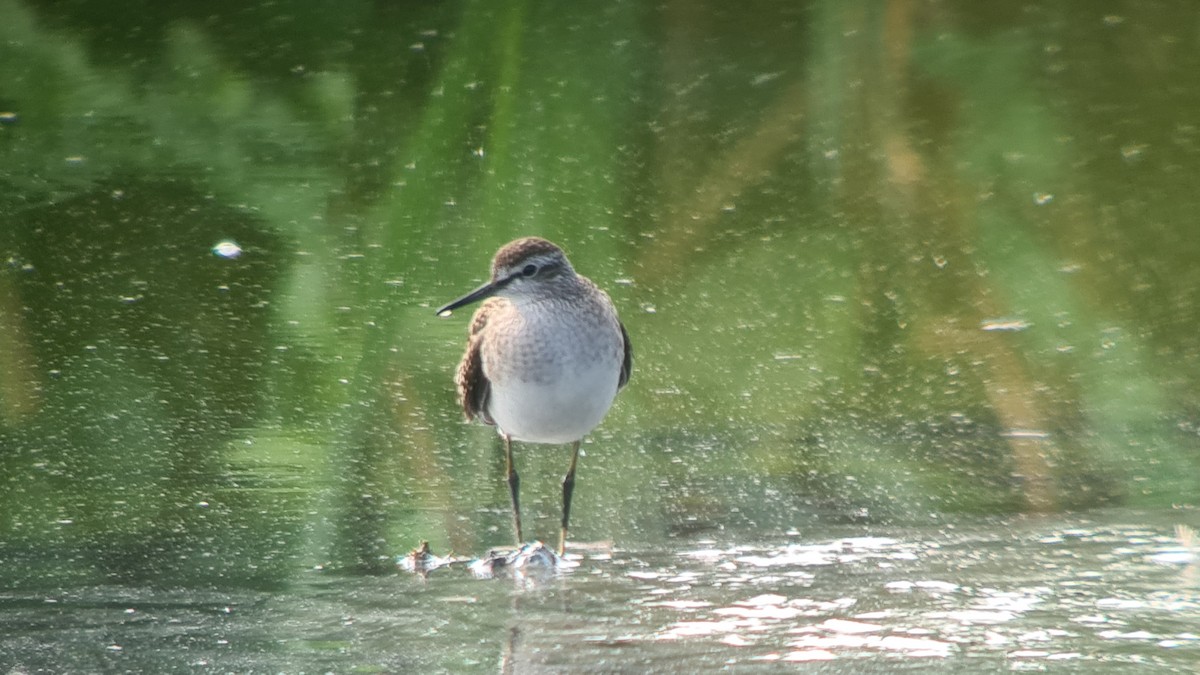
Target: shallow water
x,y
882,265
1113,589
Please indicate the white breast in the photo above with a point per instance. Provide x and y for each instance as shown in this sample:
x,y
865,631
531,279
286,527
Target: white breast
x,y
553,374
561,411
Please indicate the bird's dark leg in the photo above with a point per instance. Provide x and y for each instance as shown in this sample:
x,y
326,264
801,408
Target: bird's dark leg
x,y
514,488
568,488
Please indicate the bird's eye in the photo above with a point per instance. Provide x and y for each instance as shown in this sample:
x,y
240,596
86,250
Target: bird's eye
x,y
529,270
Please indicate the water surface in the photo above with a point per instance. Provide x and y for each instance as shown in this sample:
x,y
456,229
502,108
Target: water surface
x,y
911,286
1110,590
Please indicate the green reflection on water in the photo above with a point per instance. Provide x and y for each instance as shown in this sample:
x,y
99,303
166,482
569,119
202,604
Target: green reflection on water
x,y
878,262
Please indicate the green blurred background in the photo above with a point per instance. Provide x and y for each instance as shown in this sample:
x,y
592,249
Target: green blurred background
x,y
880,261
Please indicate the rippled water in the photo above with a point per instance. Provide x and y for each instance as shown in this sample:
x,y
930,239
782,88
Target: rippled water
x,y
880,263
1061,594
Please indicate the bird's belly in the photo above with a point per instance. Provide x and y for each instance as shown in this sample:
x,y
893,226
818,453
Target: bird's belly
x,y
561,410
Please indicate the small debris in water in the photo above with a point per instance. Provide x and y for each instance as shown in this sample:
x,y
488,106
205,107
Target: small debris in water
x,y
1025,433
531,557
1010,325
227,249
534,557
423,561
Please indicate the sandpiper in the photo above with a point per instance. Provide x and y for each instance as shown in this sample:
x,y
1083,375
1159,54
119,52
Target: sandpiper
x,y
546,355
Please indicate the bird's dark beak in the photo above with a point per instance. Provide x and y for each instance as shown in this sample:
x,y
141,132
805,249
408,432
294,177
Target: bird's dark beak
x,y
485,291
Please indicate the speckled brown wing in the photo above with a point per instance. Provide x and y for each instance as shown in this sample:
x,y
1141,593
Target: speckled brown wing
x,y
474,389
627,362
